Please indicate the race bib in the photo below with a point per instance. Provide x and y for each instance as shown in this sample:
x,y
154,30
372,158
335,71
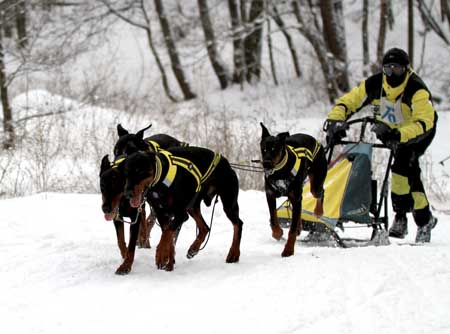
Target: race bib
x,y
391,112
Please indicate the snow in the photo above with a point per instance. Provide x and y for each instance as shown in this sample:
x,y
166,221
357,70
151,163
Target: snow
x,y
59,257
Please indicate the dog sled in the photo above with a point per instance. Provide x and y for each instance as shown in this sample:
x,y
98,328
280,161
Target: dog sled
x,y
352,199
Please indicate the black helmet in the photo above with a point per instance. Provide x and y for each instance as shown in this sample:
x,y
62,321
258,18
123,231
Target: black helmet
x,y
397,56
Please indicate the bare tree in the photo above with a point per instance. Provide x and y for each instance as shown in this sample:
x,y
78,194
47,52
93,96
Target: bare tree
x,y
365,37
177,68
307,27
8,127
429,21
146,26
384,8
253,40
445,11
411,31
218,65
282,25
12,13
238,43
334,36
271,58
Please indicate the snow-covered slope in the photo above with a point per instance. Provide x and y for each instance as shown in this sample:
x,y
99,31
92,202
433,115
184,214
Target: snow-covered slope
x,y
59,257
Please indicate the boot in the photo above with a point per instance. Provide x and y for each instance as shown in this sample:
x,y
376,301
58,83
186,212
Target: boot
x,y
399,228
424,232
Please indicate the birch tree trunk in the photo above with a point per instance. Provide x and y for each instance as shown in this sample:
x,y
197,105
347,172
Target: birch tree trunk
x,y
173,52
217,63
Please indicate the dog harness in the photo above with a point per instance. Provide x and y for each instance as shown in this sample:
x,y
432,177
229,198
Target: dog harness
x,y
118,161
298,153
175,162
154,146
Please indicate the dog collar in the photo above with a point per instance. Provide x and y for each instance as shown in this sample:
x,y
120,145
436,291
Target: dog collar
x,y
118,161
282,163
285,159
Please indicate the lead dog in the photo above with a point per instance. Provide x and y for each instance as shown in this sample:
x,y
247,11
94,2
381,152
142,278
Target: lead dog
x,y
287,161
116,207
175,182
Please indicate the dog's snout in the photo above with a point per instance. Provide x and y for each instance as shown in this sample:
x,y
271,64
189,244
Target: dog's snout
x,y
129,193
267,163
106,207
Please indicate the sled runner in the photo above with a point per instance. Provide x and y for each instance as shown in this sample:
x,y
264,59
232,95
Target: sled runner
x,y
351,193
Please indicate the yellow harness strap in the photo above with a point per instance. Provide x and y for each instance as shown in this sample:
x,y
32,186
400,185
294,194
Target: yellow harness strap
x,y
117,162
154,146
298,152
175,161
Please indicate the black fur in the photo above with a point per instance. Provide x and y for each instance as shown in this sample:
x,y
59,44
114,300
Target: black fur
x,y
172,203
129,143
112,182
278,163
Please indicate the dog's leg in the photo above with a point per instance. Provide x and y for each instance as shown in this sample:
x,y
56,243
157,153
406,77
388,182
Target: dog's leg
x,y
234,253
125,267
118,225
151,220
203,230
144,232
165,251
318,209
277,231
229,196
295,228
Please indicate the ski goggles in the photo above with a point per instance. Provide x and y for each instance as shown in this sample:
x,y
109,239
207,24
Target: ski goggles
x,y
393,68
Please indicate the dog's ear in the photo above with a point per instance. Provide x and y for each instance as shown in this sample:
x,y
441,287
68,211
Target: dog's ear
x,y
282,136
121,131
105,164
140,133
265,132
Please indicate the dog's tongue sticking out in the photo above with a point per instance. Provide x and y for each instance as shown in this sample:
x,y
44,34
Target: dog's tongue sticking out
x,y
109,216
135,201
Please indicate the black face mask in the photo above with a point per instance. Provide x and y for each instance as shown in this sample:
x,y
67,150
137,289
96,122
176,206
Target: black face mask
x,y
396,80
395,74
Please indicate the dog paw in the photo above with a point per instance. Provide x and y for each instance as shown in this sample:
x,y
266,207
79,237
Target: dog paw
x,y
277,233
287,252
233,257
124,269
191,253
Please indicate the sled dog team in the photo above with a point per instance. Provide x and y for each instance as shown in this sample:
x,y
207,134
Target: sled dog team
x,y
175,178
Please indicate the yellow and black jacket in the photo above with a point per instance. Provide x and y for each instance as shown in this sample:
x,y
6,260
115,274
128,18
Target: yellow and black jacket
x,y
412,98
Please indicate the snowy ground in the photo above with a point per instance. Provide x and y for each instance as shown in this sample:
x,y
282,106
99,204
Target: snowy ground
x,y
59,257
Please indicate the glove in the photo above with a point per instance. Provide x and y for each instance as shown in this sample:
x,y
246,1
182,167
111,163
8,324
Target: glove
x,y
335,130
387,135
